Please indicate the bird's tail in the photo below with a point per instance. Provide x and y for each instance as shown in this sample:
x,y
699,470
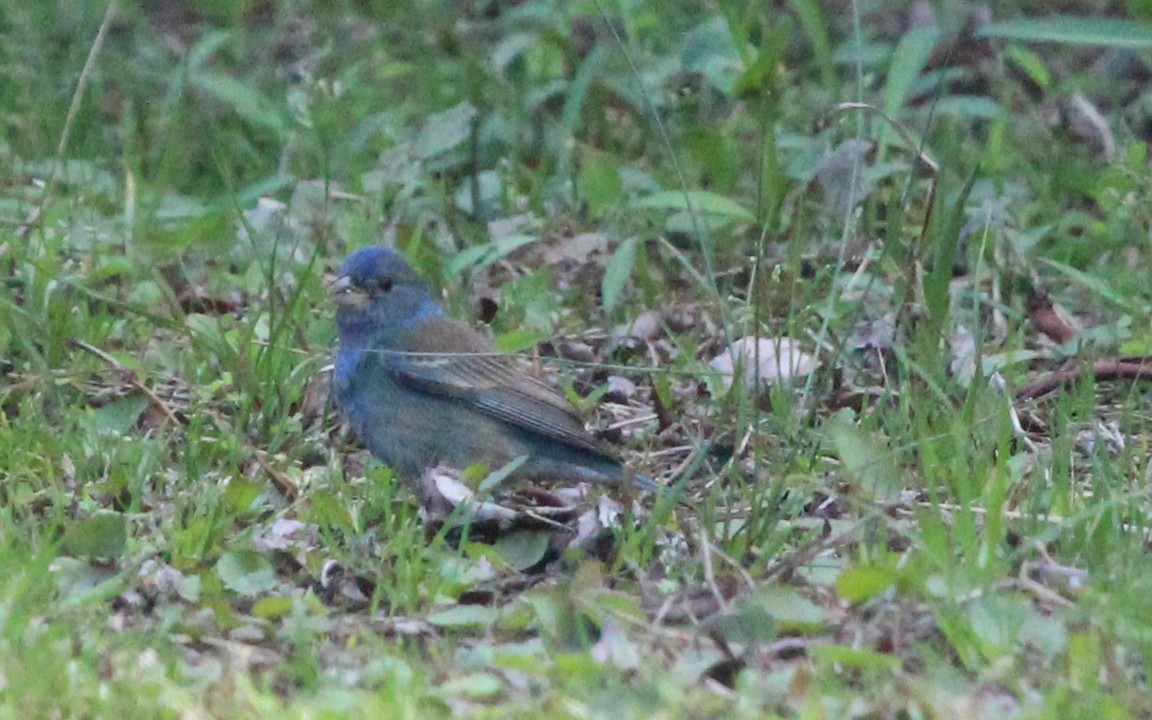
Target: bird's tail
x,y
645,483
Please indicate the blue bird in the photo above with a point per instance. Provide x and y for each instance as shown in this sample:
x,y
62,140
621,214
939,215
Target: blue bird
x,y
421,389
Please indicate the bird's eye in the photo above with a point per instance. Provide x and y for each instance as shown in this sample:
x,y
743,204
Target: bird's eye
x,y
383,284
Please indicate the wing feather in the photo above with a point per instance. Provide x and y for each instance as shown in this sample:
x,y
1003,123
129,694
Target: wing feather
x,y
465,370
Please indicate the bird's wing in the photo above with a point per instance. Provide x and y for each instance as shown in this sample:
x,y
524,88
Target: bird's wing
x,y
491,383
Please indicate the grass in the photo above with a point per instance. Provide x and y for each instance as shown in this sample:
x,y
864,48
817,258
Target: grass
x,y
186,530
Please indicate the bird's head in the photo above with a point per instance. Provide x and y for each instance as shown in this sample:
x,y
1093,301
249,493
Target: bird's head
x,y
377,290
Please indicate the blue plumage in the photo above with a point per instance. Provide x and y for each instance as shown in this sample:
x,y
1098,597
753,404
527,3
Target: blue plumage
x,y
420,388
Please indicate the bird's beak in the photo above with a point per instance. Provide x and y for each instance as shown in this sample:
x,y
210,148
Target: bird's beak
x,y
342,292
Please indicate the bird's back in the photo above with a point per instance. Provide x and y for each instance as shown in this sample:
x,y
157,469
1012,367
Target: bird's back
x,y
432,393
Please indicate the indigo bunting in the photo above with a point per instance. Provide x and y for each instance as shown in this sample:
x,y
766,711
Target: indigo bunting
x,y
420,388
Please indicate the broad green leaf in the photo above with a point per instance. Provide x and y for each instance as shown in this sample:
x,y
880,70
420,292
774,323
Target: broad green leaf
x,y
524,548
479,194
601,602
519,340
907,63
749,622
274,607
1095,284
80,582
480,256
849,657
102,535
867,458
523,656
968,106
578,667
242,493
465,616
244,99
996,620
445,130
247,573
510,49
1031,63
864,54
1108,32
599,182
590,69
690,223
863,582
695,201
475,685
710,50
121,415
617,273
816,29
791,610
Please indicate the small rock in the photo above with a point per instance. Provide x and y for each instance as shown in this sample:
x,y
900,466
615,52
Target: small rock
x,y
619,389
772,360
646,326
